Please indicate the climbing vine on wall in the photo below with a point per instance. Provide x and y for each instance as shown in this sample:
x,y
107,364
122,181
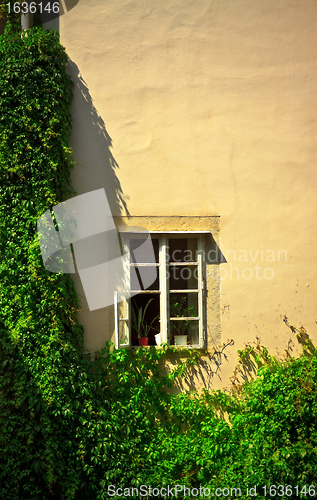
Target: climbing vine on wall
x,y
13,18
45,383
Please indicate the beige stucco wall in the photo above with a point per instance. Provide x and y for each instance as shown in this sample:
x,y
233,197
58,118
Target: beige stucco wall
x,y
205,108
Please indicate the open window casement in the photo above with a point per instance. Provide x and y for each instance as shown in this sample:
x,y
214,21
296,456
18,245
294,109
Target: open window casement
x,y
174,292
185,289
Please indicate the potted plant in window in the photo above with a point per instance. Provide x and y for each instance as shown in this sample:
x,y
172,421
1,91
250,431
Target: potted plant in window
x,y
178,309
140,324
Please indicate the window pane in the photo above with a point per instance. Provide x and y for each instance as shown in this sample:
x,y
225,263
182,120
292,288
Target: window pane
x,y
184,305
183,277
144,278
138,253
183,249
188,330
123,319
123,332
151,318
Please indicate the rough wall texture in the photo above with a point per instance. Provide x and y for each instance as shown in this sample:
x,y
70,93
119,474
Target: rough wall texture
x,y
206,108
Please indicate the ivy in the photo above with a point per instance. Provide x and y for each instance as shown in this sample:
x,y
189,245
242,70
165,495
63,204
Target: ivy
x,y
46,385
70,427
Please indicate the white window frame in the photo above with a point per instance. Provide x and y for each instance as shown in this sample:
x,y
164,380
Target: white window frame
x,y
164,290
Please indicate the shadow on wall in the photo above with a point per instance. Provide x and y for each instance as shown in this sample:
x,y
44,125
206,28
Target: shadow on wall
x,y
91,143
95,169
205,373
213,254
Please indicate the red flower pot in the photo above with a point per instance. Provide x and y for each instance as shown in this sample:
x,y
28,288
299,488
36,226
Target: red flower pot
x,y
143,340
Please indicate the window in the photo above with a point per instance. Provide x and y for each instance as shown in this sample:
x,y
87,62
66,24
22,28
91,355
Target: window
x,y
172,306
